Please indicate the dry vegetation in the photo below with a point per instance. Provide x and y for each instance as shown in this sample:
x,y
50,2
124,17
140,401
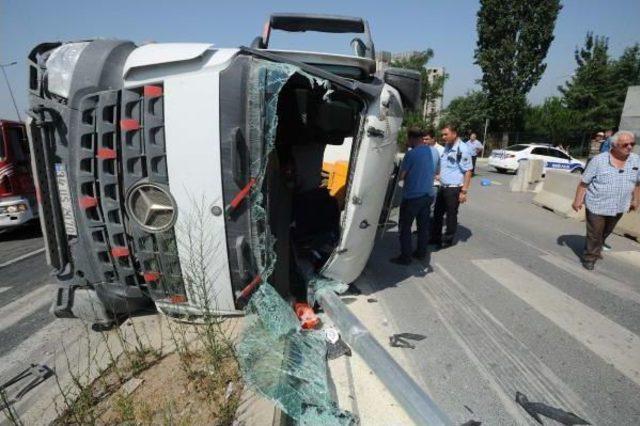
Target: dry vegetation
x,y
192,380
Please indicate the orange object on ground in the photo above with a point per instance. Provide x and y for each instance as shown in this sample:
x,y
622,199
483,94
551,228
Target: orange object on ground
x,y
305,314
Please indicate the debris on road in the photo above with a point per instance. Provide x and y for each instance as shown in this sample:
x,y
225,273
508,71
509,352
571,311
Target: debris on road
x,y
372,300
534,409
332,335
337,349
308,319
399,340
38,374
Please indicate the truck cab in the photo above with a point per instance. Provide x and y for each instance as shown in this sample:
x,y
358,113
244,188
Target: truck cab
x,y
181,176
17,192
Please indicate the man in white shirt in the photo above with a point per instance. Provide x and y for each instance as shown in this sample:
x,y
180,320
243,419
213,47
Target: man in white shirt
x,y
430,139
475,148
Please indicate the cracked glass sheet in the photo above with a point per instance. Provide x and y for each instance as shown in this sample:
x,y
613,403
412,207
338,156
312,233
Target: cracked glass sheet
x,y
287,364
277,358
319,283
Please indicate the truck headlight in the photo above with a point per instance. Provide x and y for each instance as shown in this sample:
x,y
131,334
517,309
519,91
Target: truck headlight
x,y
14,208
60,66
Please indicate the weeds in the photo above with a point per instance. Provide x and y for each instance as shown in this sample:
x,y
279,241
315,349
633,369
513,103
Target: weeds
x,y
187,376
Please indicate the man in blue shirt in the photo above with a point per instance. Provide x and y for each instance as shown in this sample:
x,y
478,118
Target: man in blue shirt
x,y
455,177
418,170
606,145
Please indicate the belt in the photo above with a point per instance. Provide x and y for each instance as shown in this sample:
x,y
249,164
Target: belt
x,y
444,185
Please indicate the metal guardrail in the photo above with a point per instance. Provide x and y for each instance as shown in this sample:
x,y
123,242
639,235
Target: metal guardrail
x,y
418,405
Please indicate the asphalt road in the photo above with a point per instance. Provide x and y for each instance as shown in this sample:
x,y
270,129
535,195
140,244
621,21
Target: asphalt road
x,y
508,309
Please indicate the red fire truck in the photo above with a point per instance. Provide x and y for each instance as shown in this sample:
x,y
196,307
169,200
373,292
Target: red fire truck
x,y
17,192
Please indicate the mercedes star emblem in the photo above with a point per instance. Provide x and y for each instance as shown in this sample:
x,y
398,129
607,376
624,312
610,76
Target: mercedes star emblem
x,y
152,207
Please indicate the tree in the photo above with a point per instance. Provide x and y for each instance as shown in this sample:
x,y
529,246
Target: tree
x,y
468,112
513,39
589,91
599,84
625,72
552,118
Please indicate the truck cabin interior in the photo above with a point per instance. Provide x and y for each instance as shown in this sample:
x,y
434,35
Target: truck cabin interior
x,y
304,214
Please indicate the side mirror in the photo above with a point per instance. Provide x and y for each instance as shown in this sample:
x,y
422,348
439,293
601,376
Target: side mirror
x,y
359,48
258,43
408,83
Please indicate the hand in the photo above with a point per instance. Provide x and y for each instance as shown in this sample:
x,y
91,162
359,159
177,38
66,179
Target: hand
x,y
462,197
576,206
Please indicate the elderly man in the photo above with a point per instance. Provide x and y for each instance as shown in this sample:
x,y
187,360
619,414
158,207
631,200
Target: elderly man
x,y
610,186
475,148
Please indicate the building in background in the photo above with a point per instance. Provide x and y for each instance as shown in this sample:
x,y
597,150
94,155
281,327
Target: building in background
x,y
432,108
383,59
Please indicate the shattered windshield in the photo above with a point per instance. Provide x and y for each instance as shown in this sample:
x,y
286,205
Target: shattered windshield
x,y
279,359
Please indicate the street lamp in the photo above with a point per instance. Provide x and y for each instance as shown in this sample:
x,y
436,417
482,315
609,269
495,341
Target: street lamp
x,y
9,86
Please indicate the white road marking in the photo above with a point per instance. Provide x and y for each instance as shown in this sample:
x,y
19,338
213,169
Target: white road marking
x,y
615,287
3,289
506,363
631,256
610,341
26,305
23,257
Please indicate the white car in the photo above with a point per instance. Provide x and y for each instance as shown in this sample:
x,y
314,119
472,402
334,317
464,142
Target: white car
x,y
140,149
508,160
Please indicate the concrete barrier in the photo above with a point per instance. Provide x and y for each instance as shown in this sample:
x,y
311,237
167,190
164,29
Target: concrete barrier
x,y
629,225
558,192
528,176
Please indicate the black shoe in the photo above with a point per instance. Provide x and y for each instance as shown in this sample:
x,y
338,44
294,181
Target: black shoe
x,y
588,265
446,244
401,260
418,256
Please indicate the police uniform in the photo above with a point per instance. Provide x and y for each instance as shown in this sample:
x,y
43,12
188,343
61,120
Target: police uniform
x,y
455,161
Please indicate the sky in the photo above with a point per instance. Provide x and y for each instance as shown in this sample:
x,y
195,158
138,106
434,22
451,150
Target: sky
x,y
446,26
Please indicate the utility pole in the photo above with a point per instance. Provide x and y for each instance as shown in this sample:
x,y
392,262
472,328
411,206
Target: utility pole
x,y
484,140
9,87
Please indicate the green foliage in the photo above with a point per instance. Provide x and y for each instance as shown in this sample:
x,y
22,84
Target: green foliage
x,y
589,92
552,118
468,112
513,40
599,84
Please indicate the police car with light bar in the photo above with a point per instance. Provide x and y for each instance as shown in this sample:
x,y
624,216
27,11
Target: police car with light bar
x,y
508,159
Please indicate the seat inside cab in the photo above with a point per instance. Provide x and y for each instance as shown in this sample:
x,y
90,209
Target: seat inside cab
x,y
307,178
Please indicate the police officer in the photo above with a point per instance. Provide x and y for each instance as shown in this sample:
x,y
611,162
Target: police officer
x,y
455,175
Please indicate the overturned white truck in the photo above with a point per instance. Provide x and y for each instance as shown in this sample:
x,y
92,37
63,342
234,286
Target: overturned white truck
x,y
170,175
